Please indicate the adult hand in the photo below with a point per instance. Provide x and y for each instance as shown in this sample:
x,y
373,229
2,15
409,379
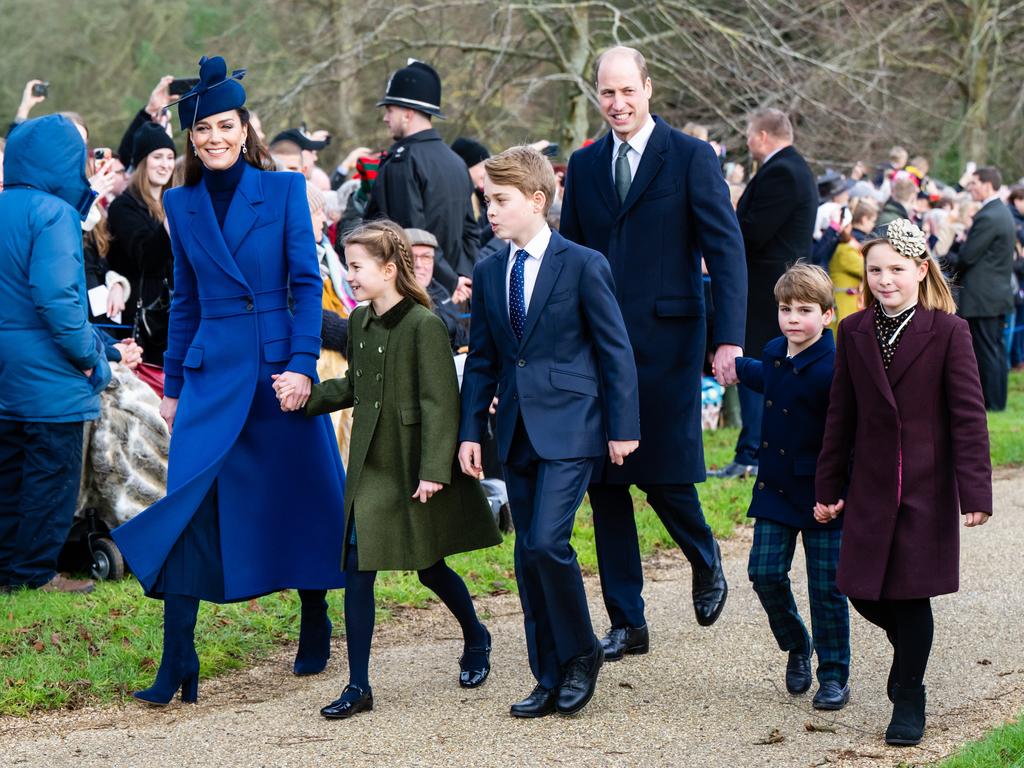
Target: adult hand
x,y
618,450
160,97
131,353
469,459
293,389
168,409
494,406
103,181
115,301
28,100
349,162
971,519
425,490
463,290
724,364
825,513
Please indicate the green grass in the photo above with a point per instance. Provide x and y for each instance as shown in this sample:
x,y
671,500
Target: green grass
x,y
1001,748
63,651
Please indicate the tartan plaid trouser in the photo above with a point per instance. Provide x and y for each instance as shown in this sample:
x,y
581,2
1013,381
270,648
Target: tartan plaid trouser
x,y
771,557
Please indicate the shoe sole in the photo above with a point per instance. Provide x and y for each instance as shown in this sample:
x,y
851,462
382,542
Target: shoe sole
x,y
830,707
799,691
640,651
531,715
350,714
903,742
470,686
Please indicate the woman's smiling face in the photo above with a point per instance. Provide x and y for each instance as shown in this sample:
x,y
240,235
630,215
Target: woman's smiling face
x,y
218,139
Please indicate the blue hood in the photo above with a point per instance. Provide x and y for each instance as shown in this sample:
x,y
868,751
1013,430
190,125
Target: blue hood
x,y
48,154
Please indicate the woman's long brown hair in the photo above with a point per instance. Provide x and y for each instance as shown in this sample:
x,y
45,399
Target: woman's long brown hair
x,y
140,188
257,154
387,243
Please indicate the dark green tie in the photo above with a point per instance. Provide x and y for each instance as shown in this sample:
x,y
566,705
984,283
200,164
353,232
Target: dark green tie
x,y
623,175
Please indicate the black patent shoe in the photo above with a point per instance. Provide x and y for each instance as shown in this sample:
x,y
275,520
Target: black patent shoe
x,y
831,696
539,703
352,701
798,673
625,640
472,675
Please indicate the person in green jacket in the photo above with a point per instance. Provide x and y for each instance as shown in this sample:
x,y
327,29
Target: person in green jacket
x,y
406,508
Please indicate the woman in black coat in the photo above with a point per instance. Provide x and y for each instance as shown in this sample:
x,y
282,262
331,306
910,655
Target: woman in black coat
x,y
141,248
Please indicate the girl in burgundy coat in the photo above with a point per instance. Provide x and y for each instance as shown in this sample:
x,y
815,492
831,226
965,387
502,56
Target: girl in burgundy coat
x,y
905,449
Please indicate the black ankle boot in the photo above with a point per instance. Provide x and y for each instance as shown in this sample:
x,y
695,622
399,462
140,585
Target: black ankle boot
x,y
907,725
179,665
314,633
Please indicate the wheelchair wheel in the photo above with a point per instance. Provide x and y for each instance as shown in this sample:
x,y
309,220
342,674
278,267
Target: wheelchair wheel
x,y
107,562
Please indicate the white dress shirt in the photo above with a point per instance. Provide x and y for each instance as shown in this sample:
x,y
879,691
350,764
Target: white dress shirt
x,y
536,249
637,145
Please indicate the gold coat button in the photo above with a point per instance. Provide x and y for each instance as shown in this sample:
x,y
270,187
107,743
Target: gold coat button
x,y
760,486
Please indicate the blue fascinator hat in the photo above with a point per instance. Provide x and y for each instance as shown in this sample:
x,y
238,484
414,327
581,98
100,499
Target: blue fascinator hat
x,y
215,92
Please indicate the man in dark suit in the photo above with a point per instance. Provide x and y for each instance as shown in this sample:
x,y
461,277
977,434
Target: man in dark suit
x,y
985,266
776,214
653,201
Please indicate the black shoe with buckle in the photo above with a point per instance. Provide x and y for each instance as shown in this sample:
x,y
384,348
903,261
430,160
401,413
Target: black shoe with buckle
x,y
475,664
352,701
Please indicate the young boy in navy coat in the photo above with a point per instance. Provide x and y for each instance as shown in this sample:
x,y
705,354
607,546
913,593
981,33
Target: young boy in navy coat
x,y
548,340
795,375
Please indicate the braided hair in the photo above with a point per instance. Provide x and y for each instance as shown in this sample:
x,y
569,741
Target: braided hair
x,y
387,243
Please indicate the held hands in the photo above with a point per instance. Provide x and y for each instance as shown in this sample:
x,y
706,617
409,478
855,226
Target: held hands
x,y
724,364
425,490
292,390
168,409
972,519
618,450
826,513
469,459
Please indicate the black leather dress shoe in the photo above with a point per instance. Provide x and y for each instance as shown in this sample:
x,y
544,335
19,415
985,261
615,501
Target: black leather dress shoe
x,y
622,640
475,664
709,591
352,701
831,695
734,469
798,673
539,703
579,681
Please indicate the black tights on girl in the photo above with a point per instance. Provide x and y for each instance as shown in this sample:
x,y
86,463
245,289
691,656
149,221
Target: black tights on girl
x,y
360,610
909,626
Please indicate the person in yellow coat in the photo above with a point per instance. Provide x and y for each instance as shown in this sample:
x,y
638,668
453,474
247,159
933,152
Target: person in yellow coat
x,y
846,268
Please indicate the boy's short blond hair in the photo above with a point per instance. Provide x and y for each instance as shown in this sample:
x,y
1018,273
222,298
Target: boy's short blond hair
x,y
805,284
526,169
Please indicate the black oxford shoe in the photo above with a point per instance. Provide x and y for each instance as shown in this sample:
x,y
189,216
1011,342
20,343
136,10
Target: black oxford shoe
x,y
475,664
831,696
798,673
539,703
709,591
579,681
625,640
353,700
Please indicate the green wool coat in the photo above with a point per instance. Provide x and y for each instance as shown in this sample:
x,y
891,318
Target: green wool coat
x,y
401,381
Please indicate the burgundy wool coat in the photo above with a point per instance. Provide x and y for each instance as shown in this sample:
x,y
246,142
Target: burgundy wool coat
x,y
913,443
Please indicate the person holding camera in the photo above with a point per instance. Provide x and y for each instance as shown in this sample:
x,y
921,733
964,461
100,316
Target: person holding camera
x,y
35,92
141,247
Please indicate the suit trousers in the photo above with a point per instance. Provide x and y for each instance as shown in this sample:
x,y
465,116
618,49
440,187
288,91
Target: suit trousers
x,y
618,546
543,498
990,349
40,473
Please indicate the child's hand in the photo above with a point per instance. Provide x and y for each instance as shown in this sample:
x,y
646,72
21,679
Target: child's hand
x,y
292,389
825,513
469,459
971,519
618,450
425,490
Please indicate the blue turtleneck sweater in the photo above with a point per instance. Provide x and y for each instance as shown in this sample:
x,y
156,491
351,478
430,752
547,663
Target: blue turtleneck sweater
x,y
221,186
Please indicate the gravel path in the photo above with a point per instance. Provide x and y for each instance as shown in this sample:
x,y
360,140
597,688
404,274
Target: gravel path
x,y
702,697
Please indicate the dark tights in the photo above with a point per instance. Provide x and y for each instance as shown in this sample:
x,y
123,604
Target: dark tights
x,y
908,625
360,610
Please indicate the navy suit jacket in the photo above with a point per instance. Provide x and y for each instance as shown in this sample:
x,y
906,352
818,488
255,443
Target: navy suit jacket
x,y
796,393
571,377
677,211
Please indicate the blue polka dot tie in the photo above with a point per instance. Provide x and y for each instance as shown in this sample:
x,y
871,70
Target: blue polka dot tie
x,y
517,294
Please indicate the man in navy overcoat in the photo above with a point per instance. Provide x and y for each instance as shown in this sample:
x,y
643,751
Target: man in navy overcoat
x,y
653,201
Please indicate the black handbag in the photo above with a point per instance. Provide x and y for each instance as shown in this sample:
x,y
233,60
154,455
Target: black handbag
x,y
151,320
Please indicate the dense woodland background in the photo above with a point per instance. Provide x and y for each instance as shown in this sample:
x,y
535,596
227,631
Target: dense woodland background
x,y
942,77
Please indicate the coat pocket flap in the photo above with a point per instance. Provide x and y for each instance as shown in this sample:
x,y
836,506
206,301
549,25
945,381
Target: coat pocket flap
x,y
554,298
277,351
679,306
574,382
411,416
804,466
193,358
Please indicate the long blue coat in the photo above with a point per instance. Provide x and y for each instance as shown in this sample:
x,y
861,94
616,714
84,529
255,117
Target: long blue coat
x,y
677,210
279,476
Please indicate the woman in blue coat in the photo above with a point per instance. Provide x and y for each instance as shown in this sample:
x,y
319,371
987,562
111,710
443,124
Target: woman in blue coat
x,y
254,494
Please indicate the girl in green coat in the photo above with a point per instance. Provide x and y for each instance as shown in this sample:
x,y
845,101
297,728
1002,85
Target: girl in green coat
x,y
406,508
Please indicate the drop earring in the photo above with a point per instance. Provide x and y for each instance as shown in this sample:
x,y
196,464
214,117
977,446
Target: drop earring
x,y
245,149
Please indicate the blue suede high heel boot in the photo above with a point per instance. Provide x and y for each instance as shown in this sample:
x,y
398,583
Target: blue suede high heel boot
x,y
314,633
179,665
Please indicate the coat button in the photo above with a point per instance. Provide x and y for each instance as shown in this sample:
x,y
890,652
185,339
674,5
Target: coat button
x,y
768,404
782,451
760,486
380,350
777,363
785,411
361,345
521,363
379,377
764,444
355,400
359,373
377,404
248,306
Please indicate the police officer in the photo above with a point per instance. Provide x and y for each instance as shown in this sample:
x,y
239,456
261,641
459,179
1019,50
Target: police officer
x,y
421,182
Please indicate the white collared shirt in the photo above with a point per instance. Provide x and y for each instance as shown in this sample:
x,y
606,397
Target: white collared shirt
x,y
536,249
637,145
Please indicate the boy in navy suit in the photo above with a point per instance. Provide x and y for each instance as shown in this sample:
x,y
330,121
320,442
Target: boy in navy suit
x,y
548,340
795,375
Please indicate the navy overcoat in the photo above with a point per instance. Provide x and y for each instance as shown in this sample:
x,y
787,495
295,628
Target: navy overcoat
x,y
677,210
247,304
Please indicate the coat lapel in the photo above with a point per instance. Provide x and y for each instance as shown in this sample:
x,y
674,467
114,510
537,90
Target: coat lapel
x,y
207,233
550,266
499,269
867,346
650,164
242,213
603,173
917,336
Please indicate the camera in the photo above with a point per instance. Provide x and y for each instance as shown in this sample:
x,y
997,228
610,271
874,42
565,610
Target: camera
x,y
41,89
101,153
179,86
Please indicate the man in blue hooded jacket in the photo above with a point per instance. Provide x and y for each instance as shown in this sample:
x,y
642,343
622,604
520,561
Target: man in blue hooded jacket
x,y
52,365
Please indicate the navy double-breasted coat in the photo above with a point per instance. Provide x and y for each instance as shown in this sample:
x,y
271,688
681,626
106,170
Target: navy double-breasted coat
x,y
247,304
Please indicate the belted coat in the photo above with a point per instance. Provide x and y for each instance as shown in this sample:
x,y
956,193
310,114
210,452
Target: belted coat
x,y
247,304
